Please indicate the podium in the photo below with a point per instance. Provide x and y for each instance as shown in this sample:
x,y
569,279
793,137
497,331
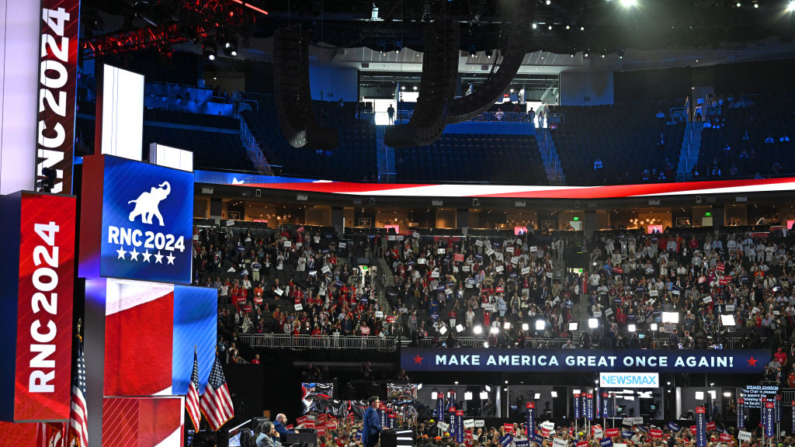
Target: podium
x,y
397,438
304,439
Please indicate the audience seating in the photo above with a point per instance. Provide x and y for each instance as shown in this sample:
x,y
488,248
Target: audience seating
x,y
623,136
473,157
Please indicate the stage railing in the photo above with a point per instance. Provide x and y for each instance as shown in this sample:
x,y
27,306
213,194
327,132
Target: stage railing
x,y
302,342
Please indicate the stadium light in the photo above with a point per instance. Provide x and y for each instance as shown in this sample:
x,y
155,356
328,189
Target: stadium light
x,y
488,388
629,3
478,330
484,395
443,330
575,391
540,325
727,394
525,327
468,395
654,327
791,6
593,323
631,328
699,395
573,326
554,394
459,328
495,330
727,320
434,395
670,317
485,344
537,396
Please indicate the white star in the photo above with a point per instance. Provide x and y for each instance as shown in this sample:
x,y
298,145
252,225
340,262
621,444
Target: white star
x,y
158,258
171,258
147,255
134,255
121,253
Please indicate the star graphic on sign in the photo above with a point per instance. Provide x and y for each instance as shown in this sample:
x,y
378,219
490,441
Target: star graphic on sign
x,y
158,258
752,361
134,255
147,255
171,258
121,253
418,360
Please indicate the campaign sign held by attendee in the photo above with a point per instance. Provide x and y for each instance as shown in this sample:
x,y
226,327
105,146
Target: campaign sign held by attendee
x,y
525,443
743,436
655,433
673,427
610,432
144,214
538,439
506,440
606,442
531,418
577,414
741,413
557,442
701,427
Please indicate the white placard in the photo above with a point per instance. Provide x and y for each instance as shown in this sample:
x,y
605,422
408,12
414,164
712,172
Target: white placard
x,y
465,268
651,302
288,244
549,275
230,223
379,314
448,291
440,251
480,423
278,291
421,261
499,269
597,313
744,435
342,245
499,256
558,442
443,426
549,425
707,300
608,312
435,274
730,307
479,243
416,235
597,433
299,307
488,307
299,244
326,269
526,271
489,251
469,423
514,261
653,292
533,249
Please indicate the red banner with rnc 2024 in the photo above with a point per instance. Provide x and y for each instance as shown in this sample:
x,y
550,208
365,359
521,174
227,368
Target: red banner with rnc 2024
x,y
44,309
57,91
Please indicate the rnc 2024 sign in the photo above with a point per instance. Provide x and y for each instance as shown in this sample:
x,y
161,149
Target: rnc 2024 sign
x,y
584,360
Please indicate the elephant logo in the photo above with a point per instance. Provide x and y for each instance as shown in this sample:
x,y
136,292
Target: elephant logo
x,y
148,203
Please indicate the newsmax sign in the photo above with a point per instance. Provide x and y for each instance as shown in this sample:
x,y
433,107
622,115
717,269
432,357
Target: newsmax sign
x,y
629,380
584,360
143,213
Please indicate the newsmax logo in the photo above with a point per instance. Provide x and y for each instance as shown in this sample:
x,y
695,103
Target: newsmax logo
x,y
631,380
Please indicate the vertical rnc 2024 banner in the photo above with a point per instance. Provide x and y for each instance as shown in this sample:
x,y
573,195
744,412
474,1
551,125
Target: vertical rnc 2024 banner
x,y
38,253
58,91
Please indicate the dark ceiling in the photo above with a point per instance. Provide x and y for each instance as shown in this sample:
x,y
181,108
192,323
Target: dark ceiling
x,y
575,24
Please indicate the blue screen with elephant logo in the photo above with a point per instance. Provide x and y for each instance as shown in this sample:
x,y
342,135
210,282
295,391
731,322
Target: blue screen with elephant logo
x,y
146,222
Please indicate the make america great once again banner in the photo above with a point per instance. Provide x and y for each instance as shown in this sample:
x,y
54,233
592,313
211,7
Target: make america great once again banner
x,y
751,361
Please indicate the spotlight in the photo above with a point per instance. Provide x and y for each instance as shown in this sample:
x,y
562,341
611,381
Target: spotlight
x,y
670,317
738,4
568,27
699,395
540,325
586,54
443,330
582,28
210,51
593,323
485,344
473,50
654,327
756,5
727,320
525,327
459,328
554,394
549,2
230,48
629,3
468,395
478,330
573,326
484,395
234,53
228,44
415,88
434,395
495,330
668,383
550,27
403,87
506,382
712,384
631,328
572,54
488,53
575,391
535,26
620,53
537,396
488,388
791,6
727,394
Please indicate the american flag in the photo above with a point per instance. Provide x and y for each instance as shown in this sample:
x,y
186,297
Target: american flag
x,y
78,415
50,434
192,401
216,404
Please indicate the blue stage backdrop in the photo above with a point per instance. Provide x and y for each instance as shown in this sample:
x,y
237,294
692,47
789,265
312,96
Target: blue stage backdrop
x,y
195,327
584,360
